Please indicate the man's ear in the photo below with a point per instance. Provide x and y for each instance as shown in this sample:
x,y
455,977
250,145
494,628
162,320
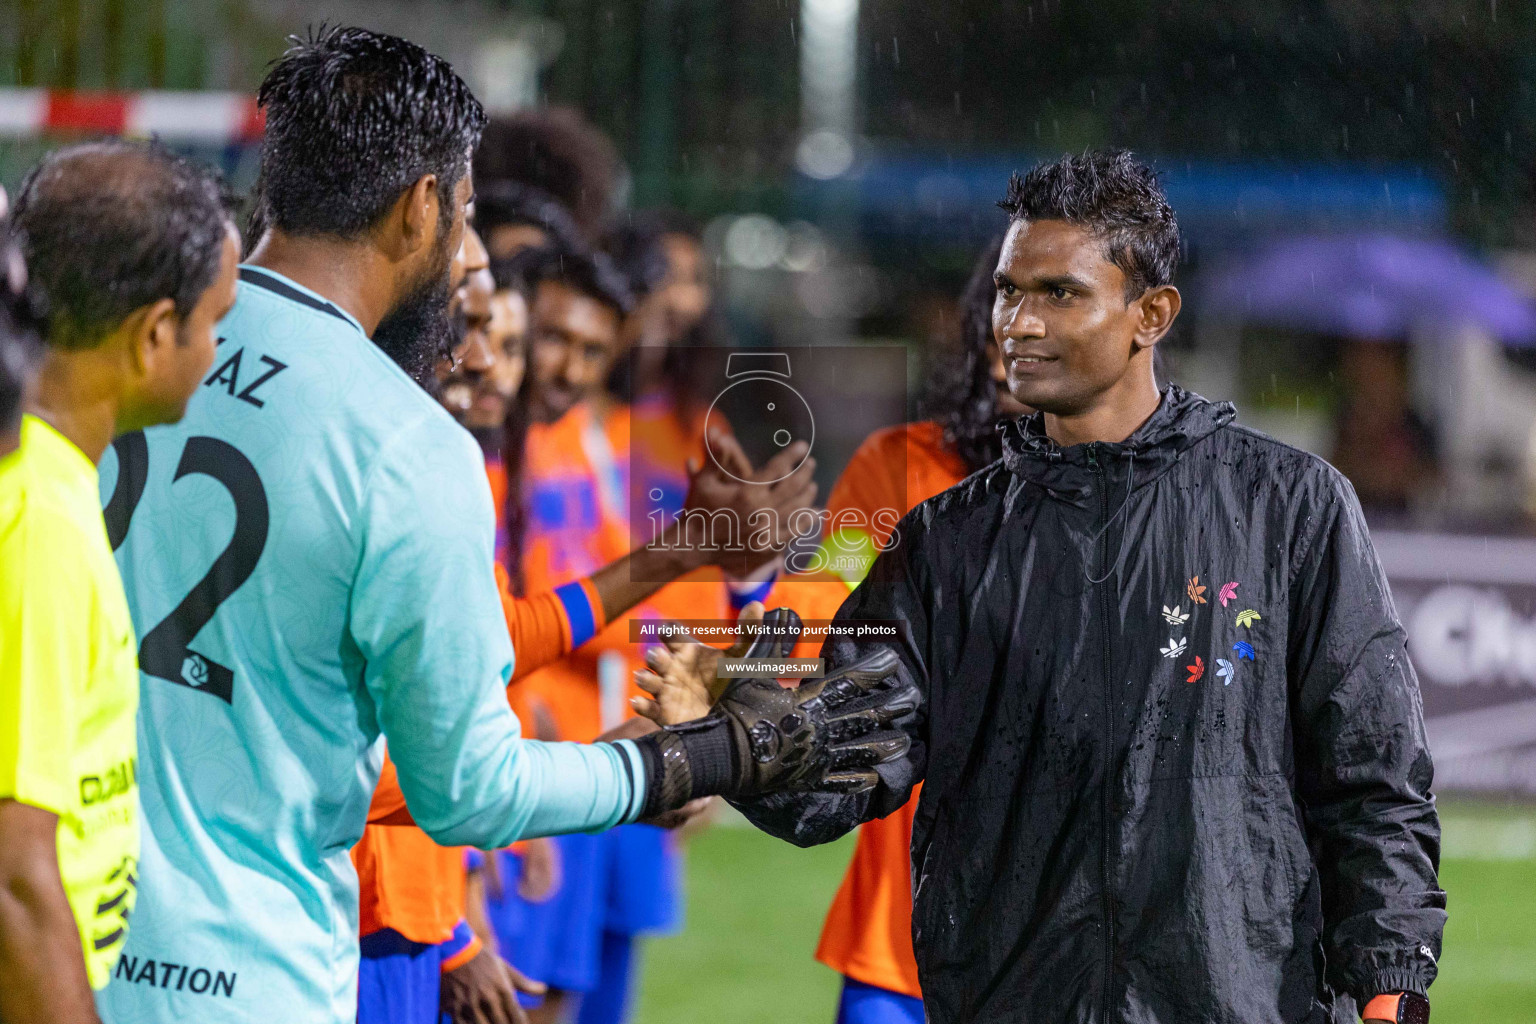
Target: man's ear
x,y
418,212
151,333
1157,309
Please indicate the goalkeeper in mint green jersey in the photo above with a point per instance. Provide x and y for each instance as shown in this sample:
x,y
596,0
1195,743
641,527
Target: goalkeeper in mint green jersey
x,y
308,558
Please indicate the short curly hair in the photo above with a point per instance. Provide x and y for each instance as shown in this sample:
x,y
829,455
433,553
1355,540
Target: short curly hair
x,y
1118,198
589,272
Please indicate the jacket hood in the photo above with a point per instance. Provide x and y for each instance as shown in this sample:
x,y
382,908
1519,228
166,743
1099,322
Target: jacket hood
x,y
1183,419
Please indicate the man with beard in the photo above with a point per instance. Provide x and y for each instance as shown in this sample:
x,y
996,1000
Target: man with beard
x,y
1171,746
309,556
418,951
477,384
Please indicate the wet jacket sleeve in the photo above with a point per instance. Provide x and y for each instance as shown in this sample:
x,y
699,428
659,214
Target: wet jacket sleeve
x,y
892,591
1363,768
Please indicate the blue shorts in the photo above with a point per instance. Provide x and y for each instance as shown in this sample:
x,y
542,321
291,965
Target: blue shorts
x,y
623,881
866,1004
398,981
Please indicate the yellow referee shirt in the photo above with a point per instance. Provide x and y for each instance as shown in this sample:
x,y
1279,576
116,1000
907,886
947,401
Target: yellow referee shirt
x,y
69,681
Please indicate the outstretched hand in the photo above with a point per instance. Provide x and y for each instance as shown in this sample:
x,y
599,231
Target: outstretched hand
x,y
682,678
830,732
761,737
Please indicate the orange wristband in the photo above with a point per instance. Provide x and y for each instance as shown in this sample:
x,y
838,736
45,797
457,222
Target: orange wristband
x,y
1383,1007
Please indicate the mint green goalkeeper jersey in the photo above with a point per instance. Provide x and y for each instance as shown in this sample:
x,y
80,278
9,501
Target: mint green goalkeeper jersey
x,y
308,557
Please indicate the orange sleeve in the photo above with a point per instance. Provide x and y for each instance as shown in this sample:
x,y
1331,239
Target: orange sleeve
x,y
893,472
548,626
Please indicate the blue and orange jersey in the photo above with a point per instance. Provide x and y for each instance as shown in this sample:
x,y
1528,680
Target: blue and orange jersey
x,y
868,932
577,488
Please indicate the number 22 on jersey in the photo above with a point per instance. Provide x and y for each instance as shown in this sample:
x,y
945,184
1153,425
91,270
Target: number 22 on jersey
x,y
165,651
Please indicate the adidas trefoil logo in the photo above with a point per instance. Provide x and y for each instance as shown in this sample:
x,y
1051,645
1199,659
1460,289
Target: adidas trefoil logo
x,y
1175,647
1176,615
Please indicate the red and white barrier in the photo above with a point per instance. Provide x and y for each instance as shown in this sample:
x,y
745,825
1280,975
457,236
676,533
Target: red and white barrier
x,y
215,118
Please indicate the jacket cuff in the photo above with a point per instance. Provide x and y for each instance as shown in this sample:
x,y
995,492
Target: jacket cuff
x,y
1390,981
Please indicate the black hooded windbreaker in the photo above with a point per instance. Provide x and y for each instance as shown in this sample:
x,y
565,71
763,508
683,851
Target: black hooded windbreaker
x,y
1195,792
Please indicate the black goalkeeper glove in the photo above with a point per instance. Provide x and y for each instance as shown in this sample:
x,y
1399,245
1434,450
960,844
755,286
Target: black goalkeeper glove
x,y
762,738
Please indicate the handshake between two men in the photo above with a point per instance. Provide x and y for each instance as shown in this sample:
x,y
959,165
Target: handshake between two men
x,y
749,737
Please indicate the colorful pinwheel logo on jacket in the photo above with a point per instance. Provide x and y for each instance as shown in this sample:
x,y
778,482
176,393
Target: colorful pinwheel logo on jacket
x,y
1244,650
1228,592
1247,617
1224,671
1195,591
1175,647
1196,670
1176,615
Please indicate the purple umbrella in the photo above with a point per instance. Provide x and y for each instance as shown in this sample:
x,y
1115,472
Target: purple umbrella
x,y
1368,286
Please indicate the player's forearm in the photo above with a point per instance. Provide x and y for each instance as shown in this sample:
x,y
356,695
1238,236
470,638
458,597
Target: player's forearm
x,y
42,971
622,584
540,789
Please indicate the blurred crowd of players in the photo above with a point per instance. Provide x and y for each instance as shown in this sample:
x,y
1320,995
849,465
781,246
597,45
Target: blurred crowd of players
x,y
572,321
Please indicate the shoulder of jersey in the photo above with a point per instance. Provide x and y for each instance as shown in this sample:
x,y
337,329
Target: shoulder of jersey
x,y
364,371
921,437
888,439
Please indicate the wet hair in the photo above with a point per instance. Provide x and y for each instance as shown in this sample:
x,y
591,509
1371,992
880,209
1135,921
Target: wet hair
x,y
21,329
110,227
1118,198
589,272
354,118
961,395
502,203
558,151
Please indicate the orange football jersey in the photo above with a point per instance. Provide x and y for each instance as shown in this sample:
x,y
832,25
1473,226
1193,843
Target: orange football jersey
x,y
576,486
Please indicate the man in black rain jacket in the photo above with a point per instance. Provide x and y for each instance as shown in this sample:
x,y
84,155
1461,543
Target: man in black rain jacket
x,y
1173,746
